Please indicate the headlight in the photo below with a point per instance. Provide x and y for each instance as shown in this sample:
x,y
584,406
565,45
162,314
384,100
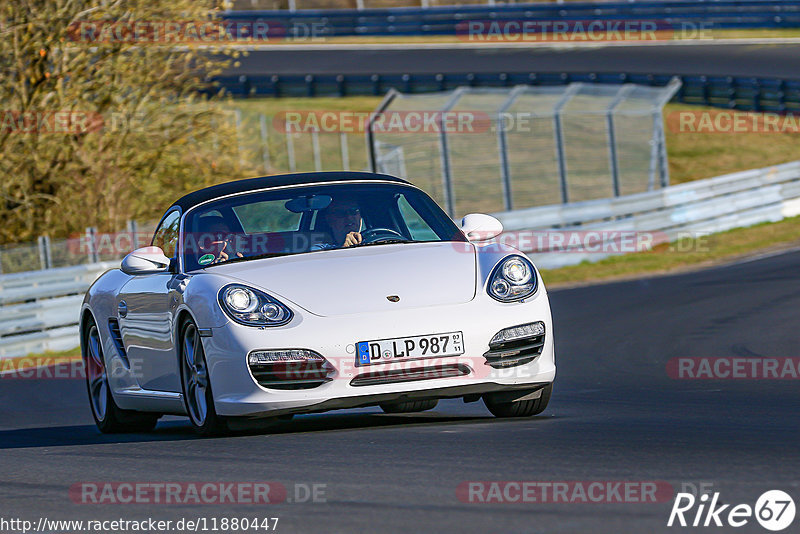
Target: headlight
x,y
252,307
512,279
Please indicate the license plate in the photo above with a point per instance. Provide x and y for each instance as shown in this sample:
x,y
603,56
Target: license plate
x,y
409,348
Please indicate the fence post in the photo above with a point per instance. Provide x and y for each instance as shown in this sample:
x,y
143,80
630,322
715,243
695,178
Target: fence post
x,y
387,100
559,138
502,144
660,137
316,150
262,121
133,230
613,158
345,151
444,154
91,245
290,147
237,114
663,159
45,255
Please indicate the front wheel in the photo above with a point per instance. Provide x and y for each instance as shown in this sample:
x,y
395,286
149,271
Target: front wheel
x,y
501,406
109,418
196,384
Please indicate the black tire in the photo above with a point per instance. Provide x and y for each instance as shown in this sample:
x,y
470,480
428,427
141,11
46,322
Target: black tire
x,y
198,398
500,407
409,406
109,418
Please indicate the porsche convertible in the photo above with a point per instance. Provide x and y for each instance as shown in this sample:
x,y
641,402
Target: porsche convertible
x,y
302,293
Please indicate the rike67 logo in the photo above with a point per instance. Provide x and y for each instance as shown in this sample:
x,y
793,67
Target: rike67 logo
x,y
774,510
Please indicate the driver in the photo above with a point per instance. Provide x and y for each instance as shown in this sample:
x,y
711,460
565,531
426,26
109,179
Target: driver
x,y
215,242
343,217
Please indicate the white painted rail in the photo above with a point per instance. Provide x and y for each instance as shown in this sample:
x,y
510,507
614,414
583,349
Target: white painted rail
x,y
39,309
692,209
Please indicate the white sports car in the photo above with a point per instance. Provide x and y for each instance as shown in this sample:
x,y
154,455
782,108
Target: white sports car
x,y
304,293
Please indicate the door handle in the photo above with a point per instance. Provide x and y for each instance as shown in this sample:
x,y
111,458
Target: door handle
x,y
122,308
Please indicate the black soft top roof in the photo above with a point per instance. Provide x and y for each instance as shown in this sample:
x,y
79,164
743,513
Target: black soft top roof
x,y
264,182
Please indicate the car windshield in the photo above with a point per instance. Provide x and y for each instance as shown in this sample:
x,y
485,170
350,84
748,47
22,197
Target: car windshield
x,y
309,219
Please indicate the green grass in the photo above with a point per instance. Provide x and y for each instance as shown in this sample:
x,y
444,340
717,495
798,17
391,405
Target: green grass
x,y
44,359
683,255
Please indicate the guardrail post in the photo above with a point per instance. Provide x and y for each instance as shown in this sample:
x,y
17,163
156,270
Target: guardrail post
x,y
262,123
91,245
45,257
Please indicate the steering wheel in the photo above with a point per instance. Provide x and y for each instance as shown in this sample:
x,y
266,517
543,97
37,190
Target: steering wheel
x,y
381,235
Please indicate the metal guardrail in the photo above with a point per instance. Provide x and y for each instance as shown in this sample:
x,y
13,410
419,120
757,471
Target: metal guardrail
x,y
691,209
729,92
39,309
450,20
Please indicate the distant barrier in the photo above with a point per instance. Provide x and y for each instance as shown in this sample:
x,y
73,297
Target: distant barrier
x,y
450,20
742,93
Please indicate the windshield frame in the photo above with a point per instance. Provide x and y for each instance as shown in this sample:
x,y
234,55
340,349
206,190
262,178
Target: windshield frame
x,y
457,235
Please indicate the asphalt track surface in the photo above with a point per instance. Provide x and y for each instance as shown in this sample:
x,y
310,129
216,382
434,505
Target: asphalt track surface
x,y
748,60
615,415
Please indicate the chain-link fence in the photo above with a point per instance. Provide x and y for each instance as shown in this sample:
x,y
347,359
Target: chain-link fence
x,y
491,150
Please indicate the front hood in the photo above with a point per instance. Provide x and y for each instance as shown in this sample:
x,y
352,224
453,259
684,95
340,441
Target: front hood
x,y
359,280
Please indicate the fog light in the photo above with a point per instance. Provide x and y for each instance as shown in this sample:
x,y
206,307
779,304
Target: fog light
x,y
518,332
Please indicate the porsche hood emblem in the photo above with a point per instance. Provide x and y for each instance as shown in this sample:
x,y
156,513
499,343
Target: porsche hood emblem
x,y
393,298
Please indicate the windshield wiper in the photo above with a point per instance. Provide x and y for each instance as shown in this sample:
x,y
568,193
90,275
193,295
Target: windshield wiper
x,y
390,241
248,258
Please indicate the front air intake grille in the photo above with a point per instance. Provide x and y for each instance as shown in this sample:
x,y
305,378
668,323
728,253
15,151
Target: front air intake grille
x,y
289,369
395,376
512,353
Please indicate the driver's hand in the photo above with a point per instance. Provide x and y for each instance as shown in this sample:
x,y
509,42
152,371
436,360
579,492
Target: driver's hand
x,y
353,238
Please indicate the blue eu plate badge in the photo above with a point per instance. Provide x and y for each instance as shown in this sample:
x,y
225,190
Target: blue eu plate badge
x,y
363,353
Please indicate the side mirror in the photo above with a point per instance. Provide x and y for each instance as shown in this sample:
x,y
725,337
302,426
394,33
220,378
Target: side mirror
x,y
147,260
480,227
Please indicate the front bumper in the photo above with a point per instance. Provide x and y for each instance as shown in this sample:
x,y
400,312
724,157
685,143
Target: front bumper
x,y
237,393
